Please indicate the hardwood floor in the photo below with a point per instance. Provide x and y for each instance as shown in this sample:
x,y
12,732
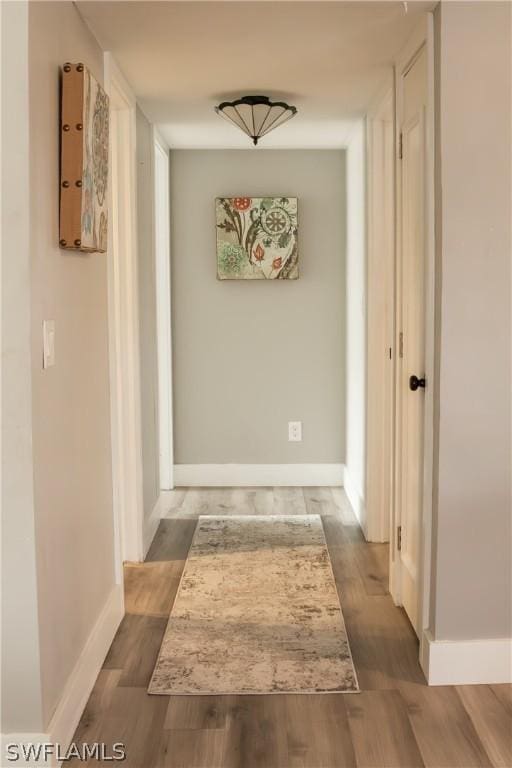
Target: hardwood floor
x,y
396,721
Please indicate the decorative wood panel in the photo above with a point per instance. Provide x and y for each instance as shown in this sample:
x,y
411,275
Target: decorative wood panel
x,y
84,161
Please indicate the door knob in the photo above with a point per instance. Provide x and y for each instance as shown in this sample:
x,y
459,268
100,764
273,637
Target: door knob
x,y
415,383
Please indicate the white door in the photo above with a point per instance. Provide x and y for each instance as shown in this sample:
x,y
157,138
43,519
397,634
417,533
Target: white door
x,y
411,328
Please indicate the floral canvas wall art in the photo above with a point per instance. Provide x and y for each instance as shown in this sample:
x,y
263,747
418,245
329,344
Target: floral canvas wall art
x,y
257,238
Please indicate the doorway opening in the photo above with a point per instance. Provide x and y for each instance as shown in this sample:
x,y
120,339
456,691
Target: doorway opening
x,y
391,424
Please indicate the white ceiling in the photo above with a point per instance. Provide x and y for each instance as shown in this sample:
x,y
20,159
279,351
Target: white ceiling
x,y
329,59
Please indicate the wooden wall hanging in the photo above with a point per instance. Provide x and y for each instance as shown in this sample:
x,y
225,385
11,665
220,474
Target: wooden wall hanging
x,y
84,161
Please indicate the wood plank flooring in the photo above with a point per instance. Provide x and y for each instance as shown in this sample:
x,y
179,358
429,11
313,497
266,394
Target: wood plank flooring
x,y
396,721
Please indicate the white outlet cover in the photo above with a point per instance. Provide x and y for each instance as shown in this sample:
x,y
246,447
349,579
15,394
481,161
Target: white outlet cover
x,y
48,343
294,431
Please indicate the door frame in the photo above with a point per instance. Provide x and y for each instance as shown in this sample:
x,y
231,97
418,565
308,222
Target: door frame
x,y
423,37
123,315
162,253
380,203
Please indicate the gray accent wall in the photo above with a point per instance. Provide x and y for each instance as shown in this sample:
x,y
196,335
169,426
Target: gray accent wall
x,y
471,589
147,315
249,356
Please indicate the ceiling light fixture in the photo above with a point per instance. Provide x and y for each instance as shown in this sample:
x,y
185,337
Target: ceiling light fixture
x,y
256,115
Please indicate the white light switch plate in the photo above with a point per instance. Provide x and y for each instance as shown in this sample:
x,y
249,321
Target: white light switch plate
x,y
48,343
294,431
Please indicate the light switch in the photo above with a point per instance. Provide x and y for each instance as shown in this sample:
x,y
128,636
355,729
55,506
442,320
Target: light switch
x,y
48,343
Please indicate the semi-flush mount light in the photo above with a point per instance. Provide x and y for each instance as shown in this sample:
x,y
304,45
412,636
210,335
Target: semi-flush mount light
x,y
256,115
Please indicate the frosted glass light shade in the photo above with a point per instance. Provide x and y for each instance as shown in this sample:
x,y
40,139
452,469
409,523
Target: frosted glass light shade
x,y
256,115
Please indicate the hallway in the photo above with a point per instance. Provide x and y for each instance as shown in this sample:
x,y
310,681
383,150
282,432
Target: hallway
x,y
396,720
301,326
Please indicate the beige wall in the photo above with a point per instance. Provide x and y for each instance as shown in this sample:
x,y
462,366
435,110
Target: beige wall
x,y
71,410
250,356
21,706
147,315
472,534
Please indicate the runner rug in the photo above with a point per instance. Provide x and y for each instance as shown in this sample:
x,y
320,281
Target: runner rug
x,y
257,611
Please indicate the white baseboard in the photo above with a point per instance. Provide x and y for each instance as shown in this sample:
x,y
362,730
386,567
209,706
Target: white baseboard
x,y
151,524
83,677
356,501
466,662
246,475
76,693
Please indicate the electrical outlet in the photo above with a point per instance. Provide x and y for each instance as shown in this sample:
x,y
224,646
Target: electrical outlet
x,y
294,431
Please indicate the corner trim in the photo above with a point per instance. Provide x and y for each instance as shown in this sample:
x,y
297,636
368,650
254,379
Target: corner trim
x,y
123,323
356,502
81,681
151,524
162,266
241,475
466,662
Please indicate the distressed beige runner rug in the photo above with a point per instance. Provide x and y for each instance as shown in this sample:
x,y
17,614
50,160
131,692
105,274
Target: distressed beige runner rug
x,y
257,612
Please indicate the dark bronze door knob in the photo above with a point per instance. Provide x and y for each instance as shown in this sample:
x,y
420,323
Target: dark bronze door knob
x,y
415,383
